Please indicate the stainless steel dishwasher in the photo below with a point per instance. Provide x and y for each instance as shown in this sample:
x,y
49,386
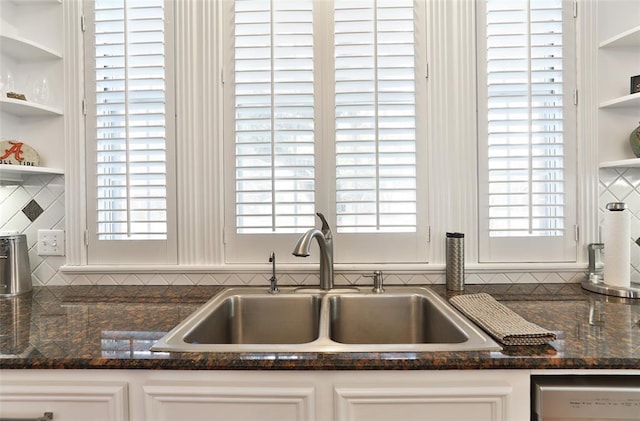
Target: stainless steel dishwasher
x,y
585,398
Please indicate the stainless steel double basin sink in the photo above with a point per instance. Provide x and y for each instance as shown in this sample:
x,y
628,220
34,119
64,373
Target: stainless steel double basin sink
x,y
402,319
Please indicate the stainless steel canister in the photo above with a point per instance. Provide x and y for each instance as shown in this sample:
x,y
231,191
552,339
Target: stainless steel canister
x,y
455,261
15,273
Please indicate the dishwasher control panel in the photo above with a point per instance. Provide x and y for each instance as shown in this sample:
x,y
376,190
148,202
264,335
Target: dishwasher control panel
x,y
585,398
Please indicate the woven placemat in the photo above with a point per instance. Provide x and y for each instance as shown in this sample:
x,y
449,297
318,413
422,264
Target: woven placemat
x,y
500,322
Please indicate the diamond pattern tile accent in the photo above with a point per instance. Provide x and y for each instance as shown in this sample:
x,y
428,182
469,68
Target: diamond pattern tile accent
x,y
33,210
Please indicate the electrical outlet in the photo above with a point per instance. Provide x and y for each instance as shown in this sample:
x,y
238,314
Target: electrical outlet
x,y
50,242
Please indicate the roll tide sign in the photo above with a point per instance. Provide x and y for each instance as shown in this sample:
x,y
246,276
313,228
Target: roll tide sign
x,y
14,152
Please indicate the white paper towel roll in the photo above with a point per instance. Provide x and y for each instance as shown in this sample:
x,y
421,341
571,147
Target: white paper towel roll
x,y
617,248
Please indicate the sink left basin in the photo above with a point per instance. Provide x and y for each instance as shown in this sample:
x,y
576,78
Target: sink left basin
x,y
248,317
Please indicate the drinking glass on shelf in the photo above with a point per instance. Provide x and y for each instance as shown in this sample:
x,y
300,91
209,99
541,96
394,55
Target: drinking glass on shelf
x,y
8,83
41,91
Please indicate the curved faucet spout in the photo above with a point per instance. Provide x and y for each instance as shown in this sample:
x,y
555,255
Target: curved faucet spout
x,y
301,249
325,241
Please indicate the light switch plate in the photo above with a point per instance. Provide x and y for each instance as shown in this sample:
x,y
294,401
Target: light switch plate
x,y
50,242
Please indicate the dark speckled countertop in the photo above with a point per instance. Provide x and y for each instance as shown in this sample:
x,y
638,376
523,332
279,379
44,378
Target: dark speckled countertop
x,y
83,327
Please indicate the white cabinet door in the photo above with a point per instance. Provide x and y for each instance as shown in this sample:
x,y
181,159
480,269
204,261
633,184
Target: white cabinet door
x,y
441,396
68,401
423,403
194,402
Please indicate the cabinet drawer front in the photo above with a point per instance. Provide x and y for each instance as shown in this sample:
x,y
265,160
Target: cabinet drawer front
x,y
68,401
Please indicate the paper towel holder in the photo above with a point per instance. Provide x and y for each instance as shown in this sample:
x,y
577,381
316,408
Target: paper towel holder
x,y
595,281
616,206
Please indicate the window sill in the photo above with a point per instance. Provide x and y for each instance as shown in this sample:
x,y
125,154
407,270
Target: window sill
x,y
340,268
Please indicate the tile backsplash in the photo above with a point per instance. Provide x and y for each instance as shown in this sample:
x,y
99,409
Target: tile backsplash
x,y
38,203
47,193
623,185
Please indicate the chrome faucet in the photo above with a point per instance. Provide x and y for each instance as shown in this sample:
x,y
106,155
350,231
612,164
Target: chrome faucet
x,y
325,241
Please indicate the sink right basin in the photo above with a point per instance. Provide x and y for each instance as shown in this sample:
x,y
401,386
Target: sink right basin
x,y
390,319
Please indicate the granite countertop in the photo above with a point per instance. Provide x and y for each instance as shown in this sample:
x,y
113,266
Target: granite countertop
x,y
113,327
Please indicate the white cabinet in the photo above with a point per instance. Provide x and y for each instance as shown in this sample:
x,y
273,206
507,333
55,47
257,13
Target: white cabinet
x,y
164,395
66,400
31,64
342,396
618,58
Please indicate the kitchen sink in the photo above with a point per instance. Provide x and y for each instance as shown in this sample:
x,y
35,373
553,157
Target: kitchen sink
x,y
402,319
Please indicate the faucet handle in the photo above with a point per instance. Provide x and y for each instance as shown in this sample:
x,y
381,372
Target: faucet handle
x,y
325,225
378,281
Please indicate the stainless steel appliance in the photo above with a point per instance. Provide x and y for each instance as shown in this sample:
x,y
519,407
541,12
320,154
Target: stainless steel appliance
x,y
585,398
15,273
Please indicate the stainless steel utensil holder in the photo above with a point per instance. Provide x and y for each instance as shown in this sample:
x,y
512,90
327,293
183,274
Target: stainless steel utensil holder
x,y
454,271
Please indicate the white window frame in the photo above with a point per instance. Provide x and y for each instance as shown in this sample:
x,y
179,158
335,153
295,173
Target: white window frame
x,y
530,249
130,251
348,248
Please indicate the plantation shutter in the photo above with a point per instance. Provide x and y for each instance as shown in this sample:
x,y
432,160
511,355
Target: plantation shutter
x,y
375,124
324,120
274,116
128,126
527,169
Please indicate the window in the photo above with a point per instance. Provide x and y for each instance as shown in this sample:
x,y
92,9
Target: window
x,y
527,131
129,131
325,97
